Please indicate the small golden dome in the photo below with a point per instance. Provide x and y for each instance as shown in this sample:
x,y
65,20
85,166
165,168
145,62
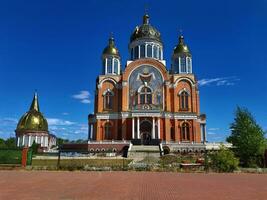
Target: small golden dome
x,y
181,48
111,49
33,120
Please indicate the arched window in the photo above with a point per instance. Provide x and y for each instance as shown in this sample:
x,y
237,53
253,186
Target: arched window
x,y
142,51
108,100
184,96
149,50
183,64
109,65
155,52
185,132
108,132
136,52
145,96
116,66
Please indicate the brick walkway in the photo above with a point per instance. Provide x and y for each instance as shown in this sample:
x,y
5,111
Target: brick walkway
x,y
130,185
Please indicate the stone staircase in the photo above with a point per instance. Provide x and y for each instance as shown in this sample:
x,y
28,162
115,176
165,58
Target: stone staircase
x,y
139,152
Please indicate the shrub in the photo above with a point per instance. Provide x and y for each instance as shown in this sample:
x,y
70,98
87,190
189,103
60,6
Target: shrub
x,y
224,160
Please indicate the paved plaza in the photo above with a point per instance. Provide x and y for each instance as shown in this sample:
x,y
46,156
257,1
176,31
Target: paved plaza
x,y
130,185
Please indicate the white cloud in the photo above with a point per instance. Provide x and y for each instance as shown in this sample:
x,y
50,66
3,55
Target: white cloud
x,y
221,81
83,97
213,129
211,133
65,113
59,122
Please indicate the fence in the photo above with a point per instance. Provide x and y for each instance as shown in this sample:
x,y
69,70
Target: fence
x,y
15,156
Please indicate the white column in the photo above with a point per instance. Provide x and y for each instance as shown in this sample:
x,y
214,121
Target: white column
x,y
46,141
146,51
139,51
133,128
158,128
112,65
92,131
138,128
42,141
29,141
153,128
23,140
106,64
18,141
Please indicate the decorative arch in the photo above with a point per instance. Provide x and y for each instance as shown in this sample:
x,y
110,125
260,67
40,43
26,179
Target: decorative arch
x,y
184,90
107,79
151,62
191,82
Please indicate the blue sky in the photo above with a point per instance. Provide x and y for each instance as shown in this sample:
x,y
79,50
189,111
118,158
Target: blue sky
x,y
55,47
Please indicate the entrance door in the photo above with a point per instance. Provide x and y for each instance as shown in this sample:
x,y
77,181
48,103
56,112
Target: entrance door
x,y
145,138
145,130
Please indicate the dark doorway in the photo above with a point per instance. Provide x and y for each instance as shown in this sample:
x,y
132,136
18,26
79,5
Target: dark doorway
x,y
145,130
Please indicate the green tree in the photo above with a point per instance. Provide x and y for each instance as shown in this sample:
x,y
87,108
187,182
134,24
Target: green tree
x,y
11,142
247,138
2,143
224,160
61,141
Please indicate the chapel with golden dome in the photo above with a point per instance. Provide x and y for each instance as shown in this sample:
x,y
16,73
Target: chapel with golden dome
x,y
33,127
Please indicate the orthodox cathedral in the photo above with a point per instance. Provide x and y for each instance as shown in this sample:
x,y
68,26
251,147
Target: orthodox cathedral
x,y
147,102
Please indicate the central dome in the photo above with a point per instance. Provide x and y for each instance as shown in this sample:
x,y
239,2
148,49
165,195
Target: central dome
x,y
145,31
33,120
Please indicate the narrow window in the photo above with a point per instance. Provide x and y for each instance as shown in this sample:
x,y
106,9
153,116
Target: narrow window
x,y
185,132
142,51
108,100
183,64
108,134
116,66
184,101
136,52
149,50
155,52
109,65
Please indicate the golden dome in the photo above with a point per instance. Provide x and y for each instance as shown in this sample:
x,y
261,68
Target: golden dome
x,y
111,49
145,31
181,48
33,120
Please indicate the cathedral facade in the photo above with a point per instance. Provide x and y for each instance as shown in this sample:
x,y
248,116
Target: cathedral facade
x,y
147,102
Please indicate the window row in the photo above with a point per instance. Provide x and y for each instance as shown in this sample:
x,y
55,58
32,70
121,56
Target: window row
x,y
183,64
111,65
146,51
145,97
